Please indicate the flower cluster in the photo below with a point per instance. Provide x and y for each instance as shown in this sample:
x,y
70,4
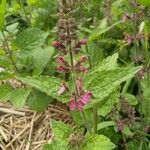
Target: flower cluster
x,y
69,45
129,39
65,67
132,17
80,102
128,111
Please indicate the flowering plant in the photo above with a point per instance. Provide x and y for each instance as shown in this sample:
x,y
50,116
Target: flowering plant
x,y
94,74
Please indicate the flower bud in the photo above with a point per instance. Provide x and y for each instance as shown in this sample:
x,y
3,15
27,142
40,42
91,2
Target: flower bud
x,y
86,97
83,59
62,89
79,83
128,39
72,104
57,44
83,42
61,60
63,69
126,17
83,69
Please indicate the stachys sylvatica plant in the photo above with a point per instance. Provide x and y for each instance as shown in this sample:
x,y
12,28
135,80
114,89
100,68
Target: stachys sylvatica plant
x,y
89,91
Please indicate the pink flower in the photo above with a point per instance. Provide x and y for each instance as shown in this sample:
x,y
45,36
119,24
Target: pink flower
x,y
83,69
62,89
86,97
63,69
83,59
128,39
57,44
80,105
61,60
126,17
72,104
79,83
83,42
81,102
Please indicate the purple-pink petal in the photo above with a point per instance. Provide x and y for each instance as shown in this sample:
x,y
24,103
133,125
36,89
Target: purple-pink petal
x,y
86,97
72,104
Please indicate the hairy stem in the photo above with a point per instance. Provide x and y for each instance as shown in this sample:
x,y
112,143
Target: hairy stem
x,y
126,86
124,140
86,121
95,115
8,51
135,29
25,13
83,114
89,58
147,56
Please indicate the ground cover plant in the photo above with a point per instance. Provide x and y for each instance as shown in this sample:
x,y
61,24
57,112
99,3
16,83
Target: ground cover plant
x,y
93,56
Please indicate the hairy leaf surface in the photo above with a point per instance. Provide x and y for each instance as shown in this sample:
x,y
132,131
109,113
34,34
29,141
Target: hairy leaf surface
x,y
46,84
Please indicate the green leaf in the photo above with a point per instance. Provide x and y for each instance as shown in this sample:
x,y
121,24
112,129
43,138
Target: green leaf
x,y
61,133
18,97
103,83
105,124
106,105
4,90
48,147
13,28
146,111
46,84
95,142
96,53
131,99
127,132
101,29
32,2
145,87
40,59
60,129
145,108
144,2
2,13
134,145
110,63
56,146
31,39
36,60
39,101
5,75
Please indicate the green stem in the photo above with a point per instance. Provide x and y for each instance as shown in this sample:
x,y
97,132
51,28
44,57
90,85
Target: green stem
x,y
83,113
86,121
126,86
141,145
89,58
147,55
124,140
142,133
23,8
135,29
95,117
9,52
